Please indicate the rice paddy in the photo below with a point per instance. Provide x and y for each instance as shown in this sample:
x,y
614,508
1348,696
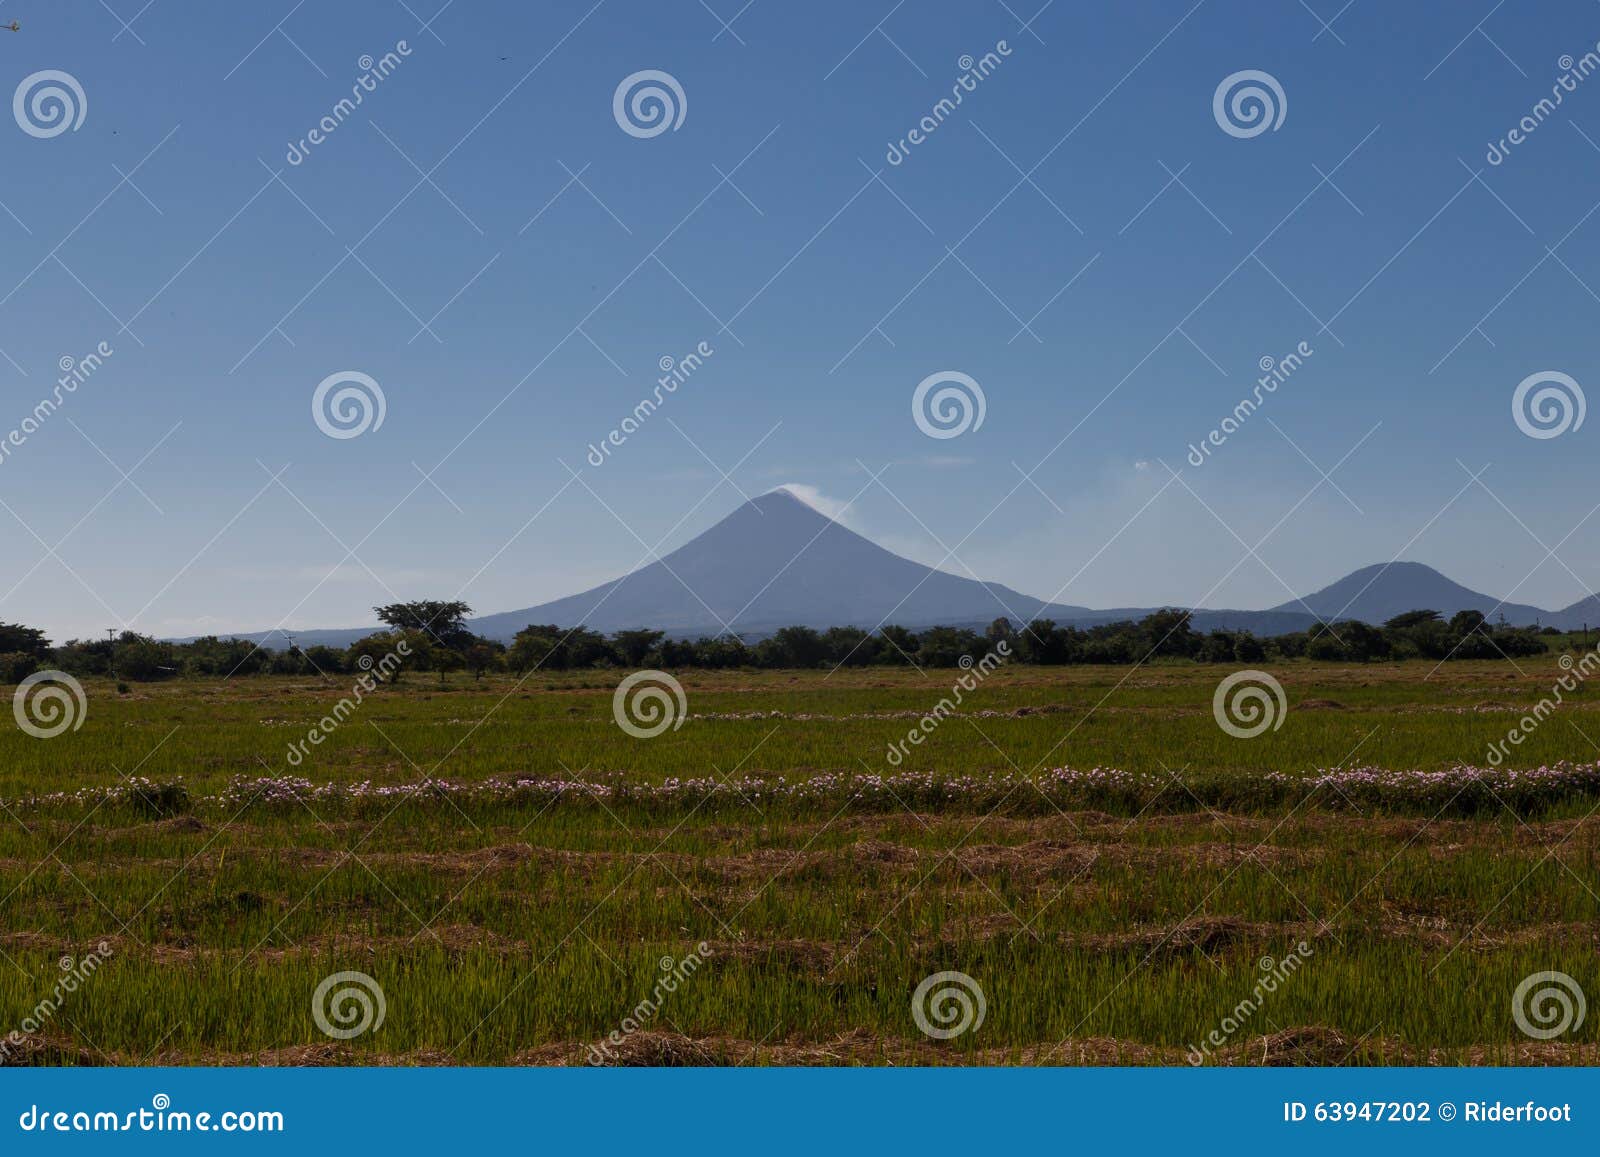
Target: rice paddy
x,y
521,879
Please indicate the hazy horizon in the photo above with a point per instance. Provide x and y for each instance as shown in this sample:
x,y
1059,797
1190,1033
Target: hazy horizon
x,y
799,493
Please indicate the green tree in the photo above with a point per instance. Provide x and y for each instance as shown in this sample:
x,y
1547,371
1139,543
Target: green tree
x,y
944,646
143,659
1247,648
445,621
1323,644
551,648
1364,643
722,652
379,654
1167,632
23,651
792,647
1045,643
1001,628
325,660
632,646
15,637
15,666
899,645
850,646
483,656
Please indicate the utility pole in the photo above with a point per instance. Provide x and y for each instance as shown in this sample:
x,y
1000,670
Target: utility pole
x,y
111,651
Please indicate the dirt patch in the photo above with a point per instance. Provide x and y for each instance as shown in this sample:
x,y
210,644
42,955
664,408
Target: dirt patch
x,y
1314,1046
1207,934
659,1050
32,941
176,825
814,957
37,1050
1305,1045
455,939
475,860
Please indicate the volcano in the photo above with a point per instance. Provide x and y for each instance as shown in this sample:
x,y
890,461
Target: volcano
x,y
777,562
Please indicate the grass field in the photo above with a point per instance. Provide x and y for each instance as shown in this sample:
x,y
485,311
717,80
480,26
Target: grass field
x,y
1105,918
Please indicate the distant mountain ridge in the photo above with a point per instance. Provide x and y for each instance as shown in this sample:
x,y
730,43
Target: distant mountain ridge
x,y
776,562
1375,594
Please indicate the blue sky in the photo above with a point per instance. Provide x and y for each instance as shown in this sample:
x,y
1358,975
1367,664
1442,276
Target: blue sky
x,y
556,258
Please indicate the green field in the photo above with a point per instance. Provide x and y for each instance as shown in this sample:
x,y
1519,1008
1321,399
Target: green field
x,y
1106,919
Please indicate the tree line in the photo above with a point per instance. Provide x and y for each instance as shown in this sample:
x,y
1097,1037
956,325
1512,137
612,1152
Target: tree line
x,y
439,640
